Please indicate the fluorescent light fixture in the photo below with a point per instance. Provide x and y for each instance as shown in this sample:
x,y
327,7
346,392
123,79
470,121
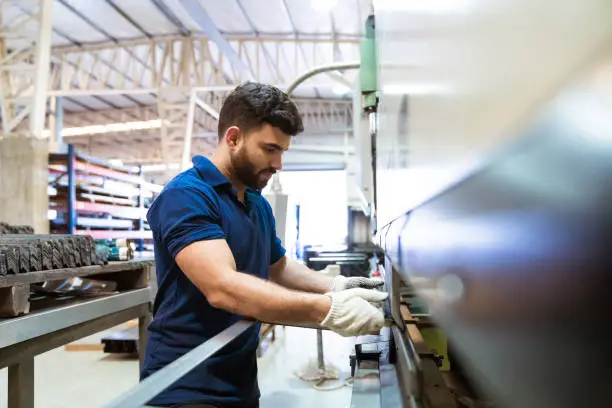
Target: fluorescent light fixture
x,y
323,5
153,168
428,6
415,89
109,128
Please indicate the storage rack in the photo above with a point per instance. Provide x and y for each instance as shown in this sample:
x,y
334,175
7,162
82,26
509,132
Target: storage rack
x,y
92,196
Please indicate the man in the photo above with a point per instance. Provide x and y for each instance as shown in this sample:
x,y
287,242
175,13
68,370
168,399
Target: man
x,y
218,259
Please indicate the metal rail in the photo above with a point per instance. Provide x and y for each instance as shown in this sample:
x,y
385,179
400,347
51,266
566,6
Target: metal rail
x,y
36,324
140,395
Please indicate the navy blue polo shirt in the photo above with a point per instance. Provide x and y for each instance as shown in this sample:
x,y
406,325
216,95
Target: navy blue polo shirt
x,y
201,204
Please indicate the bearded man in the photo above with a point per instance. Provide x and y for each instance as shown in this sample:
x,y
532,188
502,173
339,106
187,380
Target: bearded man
x,y
218,259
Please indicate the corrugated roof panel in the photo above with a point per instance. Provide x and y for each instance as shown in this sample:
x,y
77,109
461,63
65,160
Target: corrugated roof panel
x,y
226,14
268,17
95,103
145,14
73,25
102,14
121,101
72,106
350,16
307,19
145,99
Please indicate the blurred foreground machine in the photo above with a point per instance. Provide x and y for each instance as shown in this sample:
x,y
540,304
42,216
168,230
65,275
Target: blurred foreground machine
x,y
493,155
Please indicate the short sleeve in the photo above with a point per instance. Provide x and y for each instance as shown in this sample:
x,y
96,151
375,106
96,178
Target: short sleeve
x,y
277,251
181,216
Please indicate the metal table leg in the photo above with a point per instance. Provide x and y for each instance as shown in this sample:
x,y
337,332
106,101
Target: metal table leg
x,y
143,323
320,356
21,384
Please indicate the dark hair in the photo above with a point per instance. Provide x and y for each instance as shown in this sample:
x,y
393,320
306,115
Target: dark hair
x,y
251,105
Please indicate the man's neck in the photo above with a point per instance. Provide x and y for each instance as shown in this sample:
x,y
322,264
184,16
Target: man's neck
x,y
225,167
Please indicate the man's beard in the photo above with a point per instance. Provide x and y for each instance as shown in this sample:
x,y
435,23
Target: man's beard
x,y
246,172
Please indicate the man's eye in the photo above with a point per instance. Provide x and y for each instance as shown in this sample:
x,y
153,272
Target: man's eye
x,y
270,149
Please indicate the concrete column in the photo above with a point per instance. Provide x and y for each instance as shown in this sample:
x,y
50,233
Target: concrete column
x,y
23,182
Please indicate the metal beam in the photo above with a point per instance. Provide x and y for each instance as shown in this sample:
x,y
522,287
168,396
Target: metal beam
x,y
203,20
129,19
271,64
79,46
43,68
206,108
169,14
300,45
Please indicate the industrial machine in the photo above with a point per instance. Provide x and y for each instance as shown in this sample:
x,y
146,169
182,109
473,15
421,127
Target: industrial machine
x,y
490,132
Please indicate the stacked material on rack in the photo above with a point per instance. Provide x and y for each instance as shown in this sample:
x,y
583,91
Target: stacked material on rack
x,y
114,249
76,286
22,253
15,229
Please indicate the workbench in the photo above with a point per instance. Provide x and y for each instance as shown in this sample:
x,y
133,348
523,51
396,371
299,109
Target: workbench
x,y
23,338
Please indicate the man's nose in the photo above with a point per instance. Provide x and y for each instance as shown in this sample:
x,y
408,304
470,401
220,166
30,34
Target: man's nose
x,y
277,163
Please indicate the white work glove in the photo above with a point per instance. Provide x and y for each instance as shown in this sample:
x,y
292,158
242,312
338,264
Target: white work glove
x,y
341,283
354,312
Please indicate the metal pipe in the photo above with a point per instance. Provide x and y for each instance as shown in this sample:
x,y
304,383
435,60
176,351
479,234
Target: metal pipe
x,y
319,70
186,159
150,387
320,357
71,168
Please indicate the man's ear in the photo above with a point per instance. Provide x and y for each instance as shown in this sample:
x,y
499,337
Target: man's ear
x,y
232,136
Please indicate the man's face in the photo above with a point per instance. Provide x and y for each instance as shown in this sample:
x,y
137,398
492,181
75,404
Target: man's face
x,y
258,155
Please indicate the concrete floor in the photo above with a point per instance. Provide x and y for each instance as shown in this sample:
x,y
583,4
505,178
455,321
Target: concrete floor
x,y
88,378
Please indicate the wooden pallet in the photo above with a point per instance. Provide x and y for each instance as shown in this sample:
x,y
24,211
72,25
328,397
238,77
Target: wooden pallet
x,y
15,289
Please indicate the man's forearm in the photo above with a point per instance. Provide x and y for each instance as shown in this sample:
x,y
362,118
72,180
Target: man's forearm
x,y
247,295
294,275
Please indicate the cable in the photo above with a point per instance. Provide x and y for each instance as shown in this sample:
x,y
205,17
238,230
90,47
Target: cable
x,y
319,70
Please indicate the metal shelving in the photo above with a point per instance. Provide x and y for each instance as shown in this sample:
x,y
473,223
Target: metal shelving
x,y
92,196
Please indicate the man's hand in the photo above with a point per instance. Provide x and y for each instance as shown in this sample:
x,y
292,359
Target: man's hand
x,y
353,312
343,283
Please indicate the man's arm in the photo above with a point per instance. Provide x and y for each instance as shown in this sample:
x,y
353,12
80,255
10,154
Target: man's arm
x,y
294,275
210,265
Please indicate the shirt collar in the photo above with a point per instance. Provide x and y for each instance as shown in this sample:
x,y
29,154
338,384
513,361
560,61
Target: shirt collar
x,y
209,172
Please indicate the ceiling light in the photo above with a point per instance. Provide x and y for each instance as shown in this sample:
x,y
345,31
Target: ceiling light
x,y
109,128
323,5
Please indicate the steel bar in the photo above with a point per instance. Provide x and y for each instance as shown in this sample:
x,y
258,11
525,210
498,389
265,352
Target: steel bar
x,y
408,365
16,330
153,385
202,18
391,391
366,385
